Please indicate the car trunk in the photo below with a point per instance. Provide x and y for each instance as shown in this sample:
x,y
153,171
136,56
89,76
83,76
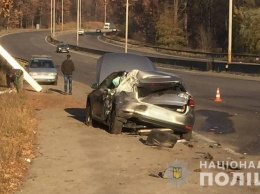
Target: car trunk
x,y
168,95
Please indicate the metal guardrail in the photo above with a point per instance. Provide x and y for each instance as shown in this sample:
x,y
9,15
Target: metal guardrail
x,y
202,64
248,58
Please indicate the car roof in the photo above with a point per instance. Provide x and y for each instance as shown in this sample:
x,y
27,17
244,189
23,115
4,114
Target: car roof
x,y
62,43
112,62
41,57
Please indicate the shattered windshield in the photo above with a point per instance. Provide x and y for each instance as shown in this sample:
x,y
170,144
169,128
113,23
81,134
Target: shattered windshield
x,y
152,88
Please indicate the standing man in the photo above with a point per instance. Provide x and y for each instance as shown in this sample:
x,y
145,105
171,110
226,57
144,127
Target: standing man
x,y
67,67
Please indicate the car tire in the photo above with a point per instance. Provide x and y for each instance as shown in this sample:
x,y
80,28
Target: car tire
x,y
115,126
89,120
187,136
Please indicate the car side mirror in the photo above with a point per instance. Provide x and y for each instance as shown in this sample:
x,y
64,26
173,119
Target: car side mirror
x,y
94,86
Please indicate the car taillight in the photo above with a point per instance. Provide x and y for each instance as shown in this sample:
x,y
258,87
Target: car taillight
x,y
191,102
188,127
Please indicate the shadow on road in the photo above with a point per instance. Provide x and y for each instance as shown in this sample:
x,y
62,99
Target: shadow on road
x,y
80,115
55,90
216,122
77,113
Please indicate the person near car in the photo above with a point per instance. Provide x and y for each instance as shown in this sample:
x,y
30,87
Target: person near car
x,y
10,78
67,68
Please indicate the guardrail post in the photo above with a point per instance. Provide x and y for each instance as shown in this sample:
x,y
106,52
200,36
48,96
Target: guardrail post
x,y
210,63
226,67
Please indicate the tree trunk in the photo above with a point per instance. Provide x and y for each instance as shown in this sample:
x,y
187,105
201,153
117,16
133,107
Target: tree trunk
x,y
21,22
186,27
175,13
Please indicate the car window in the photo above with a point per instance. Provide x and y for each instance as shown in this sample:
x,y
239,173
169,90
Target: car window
x,y
36,63
46,65
112,81
62,44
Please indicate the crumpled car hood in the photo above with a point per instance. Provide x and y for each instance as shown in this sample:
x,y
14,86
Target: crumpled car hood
x,y
136,78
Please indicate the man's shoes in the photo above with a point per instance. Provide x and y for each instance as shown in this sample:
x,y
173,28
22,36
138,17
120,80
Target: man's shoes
x,y
70,93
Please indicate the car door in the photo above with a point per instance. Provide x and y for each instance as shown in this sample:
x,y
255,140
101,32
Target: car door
x,y
102,97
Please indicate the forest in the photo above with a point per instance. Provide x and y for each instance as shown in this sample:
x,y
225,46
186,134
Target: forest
x,y
179,24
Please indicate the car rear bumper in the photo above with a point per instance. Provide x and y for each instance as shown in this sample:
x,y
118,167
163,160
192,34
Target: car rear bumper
x,y
148,122
159,117
45,78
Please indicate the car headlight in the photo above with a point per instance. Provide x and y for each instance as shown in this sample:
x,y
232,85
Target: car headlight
x,y
52,74
33,73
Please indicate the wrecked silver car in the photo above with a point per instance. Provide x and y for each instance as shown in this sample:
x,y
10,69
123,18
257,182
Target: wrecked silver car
x,y
141,100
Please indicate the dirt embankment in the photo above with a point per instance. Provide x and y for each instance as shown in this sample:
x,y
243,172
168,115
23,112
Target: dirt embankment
x,y
18,127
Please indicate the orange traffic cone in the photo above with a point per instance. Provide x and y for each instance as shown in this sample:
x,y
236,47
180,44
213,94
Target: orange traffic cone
x,y
218,99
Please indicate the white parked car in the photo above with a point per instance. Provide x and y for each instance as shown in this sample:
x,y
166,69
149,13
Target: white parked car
x,y
81,31
42,69
107,26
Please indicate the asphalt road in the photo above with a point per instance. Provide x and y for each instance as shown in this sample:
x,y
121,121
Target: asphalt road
x,y
234,122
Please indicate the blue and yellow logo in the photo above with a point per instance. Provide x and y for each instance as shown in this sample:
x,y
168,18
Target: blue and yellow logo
x,y
177,173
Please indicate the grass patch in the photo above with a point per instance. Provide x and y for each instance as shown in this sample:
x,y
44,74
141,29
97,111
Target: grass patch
x,y
17,139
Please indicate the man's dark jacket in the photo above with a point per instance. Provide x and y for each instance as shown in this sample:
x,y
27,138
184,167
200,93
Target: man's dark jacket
x,y
67,67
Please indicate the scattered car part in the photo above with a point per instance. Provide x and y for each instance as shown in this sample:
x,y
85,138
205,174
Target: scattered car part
x,y
161,138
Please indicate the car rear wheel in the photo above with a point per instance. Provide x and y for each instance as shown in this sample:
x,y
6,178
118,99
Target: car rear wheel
x,y
187,136
89,120
115,126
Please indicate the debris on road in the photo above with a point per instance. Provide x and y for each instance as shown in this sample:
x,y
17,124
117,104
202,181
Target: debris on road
x,y
205,155
158,175
215,145
182,141
8,91
161,138
154,175
228,166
